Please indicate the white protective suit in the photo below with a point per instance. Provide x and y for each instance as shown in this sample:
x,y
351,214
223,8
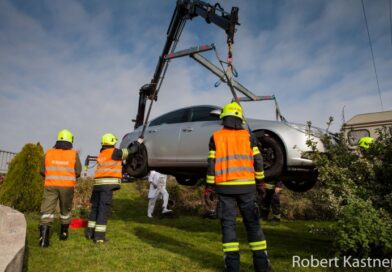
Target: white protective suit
x,y
157,190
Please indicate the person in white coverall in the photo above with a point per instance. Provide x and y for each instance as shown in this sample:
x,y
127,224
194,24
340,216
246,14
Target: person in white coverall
x,y
157,190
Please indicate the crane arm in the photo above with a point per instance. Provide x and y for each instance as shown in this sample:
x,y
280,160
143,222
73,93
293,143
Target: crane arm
x,y
185,10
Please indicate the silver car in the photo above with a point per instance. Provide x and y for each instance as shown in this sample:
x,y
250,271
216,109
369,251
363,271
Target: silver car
x,y
176,143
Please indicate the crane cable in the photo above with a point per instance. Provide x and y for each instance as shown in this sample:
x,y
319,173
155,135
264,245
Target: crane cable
x,y
371,50
228,73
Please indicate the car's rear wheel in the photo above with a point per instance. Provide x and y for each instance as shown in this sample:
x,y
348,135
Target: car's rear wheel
x,y
273,155
189,181
136,164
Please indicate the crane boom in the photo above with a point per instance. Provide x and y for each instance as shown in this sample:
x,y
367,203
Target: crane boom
x,y
185,10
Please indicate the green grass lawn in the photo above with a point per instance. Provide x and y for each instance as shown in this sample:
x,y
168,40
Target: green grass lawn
x,y
186,243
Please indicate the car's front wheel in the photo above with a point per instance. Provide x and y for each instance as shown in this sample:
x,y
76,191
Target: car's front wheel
x,y
136,164
301,182
273,154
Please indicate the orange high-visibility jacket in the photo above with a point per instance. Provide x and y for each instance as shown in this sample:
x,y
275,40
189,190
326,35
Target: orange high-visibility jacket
x,y
60,167
234,163
107,167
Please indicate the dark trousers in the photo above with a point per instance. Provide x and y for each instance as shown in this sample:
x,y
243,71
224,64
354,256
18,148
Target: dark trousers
x,y
101,203
227,212
270,201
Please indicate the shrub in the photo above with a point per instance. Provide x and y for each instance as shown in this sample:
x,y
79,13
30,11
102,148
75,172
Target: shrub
x,y
354,185
81,201
23,185
363,230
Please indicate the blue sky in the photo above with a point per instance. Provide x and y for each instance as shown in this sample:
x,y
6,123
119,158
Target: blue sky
x,y
80,64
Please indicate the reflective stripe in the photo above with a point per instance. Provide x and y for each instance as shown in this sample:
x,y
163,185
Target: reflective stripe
x,y
60,168
232,246
269,186
91,224
261,245
260,175
237,182
109,163
65,216
234,169
100,228
60,178
210,179
256,151
211,154
234,157
47,215
124,153
101,170
103,181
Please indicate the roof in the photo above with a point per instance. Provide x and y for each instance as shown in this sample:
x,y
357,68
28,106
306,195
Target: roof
x,y
372,117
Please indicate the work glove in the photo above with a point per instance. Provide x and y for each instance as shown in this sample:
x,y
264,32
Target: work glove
x,y
209,196
208,190
140,140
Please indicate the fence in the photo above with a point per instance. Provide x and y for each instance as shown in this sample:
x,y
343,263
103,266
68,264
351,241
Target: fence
x,y
5,159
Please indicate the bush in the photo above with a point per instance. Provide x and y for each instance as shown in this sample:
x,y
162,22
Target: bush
x,y
355,187
23,185
81,201
363,230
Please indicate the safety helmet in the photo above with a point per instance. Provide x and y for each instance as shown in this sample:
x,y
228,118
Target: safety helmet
x,y
365,142
108,139
65,135
231,109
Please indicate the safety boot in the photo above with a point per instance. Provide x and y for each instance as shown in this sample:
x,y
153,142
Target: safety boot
x,y
64,232
44,231
89,233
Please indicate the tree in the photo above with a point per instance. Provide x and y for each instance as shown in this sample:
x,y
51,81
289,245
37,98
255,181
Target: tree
x,y
23,185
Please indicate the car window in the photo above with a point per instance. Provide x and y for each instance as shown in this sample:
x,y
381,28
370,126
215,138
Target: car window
x,y
178,116
203,114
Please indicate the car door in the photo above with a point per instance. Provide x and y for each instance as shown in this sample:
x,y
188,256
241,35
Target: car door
x,y
195,135
163,136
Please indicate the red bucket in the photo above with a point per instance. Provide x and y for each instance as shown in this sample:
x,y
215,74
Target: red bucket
x,y
77,223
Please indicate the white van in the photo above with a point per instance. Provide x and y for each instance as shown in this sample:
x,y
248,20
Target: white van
x,y
366,124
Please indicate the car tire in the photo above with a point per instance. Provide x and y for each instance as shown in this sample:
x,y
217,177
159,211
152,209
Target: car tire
x,y
186,180
301,182
299,186
273,155
136,165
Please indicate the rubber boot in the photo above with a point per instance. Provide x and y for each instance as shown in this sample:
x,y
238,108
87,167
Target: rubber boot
x,y
89,233
64,232
44,231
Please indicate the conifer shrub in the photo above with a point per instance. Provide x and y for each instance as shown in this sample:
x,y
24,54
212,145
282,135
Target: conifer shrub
x,y
22,187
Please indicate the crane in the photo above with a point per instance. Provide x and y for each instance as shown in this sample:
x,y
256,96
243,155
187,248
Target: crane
x,y
184,10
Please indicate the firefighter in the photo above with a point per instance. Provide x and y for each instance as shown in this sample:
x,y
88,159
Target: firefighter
x,y
157,189
270,199
235,166
365,142
60,168
106,180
